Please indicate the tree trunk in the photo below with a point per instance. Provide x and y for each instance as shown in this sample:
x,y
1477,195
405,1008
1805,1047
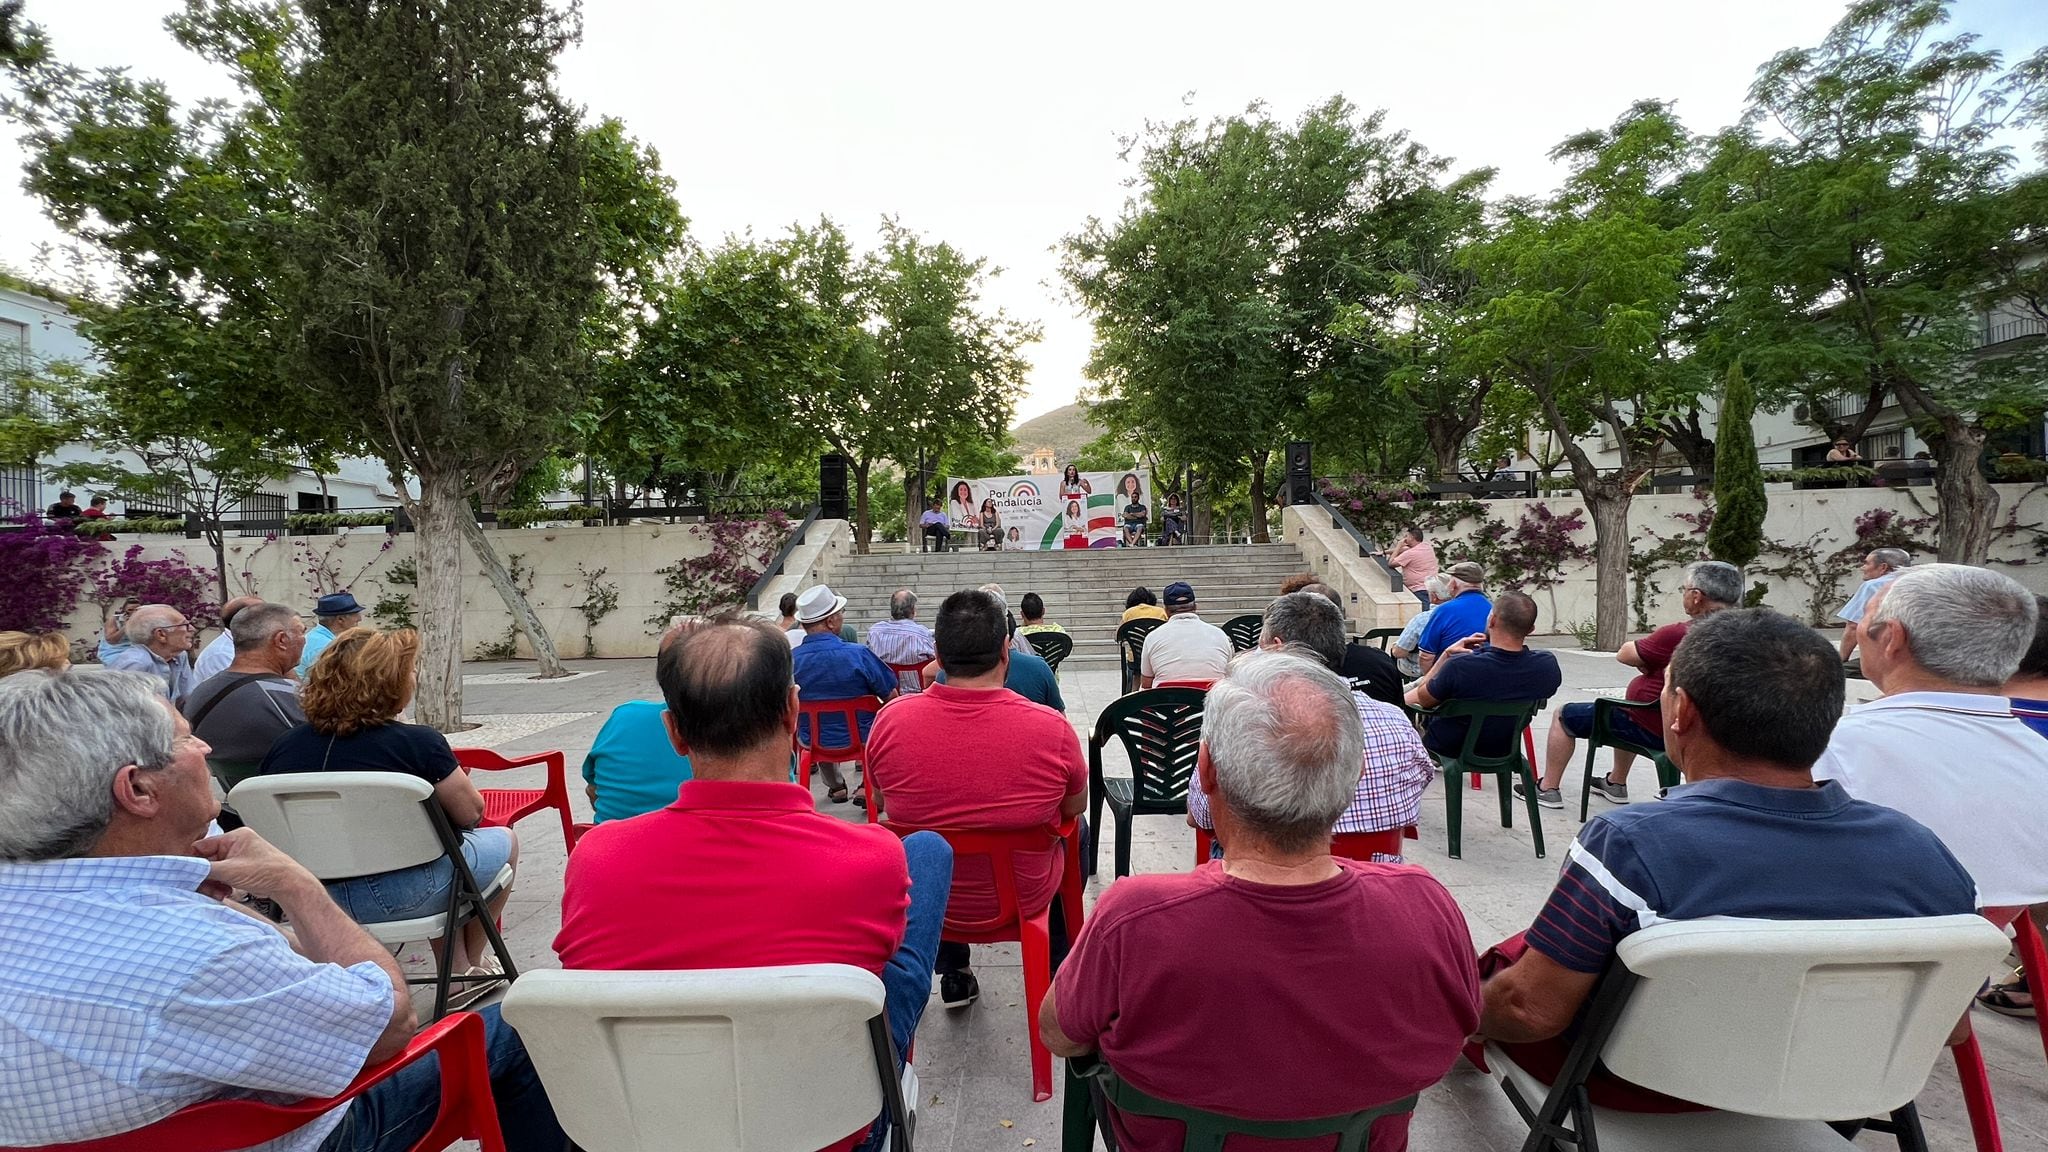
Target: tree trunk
x,y
515,600
913,508
1446,436
1967,502
1258,491
861,528
437,518
1610,567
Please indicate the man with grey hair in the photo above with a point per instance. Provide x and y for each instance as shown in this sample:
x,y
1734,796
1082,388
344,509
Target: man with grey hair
x,y
1370,670
111,911
160,646
900,639
1359,966
1943,745
220,651
1880,567
1709,587
1406,648
242,711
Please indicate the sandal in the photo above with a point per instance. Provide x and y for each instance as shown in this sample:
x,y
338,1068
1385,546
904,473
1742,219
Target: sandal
x,y
836,795
860,798
2004,999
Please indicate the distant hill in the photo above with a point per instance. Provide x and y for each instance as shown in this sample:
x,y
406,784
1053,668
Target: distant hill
x,y
1066,430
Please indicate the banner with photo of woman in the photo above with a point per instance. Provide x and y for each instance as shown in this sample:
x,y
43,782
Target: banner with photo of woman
x,y
1040,513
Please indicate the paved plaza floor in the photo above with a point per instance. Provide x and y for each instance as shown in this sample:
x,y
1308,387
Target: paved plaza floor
x,y
975,1091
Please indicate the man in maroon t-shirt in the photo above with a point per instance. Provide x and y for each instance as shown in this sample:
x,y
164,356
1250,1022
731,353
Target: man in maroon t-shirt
x,y
970,753
1279,983
742,870
1709,587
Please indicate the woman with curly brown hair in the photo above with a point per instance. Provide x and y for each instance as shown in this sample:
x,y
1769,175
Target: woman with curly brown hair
x,y
25,651
352,697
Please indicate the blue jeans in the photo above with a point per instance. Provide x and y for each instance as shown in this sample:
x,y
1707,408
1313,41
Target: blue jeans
x,y
1421,594
394,1115
907,980
422,890
1577,719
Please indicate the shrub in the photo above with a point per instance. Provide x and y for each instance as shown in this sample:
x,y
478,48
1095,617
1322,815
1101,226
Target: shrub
x,y
168,581
1737,533
47,569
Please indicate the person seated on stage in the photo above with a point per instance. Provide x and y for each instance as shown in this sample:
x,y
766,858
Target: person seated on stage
x,y
902,639
1186,647
1709,587
1141,604
1407,659
1397,769
1135,516
1033,608
829,667
991,526
1749,700
134,989
1496,665
1172,522
1366,666
633,766
1279,981
937,527
739,868
1026,771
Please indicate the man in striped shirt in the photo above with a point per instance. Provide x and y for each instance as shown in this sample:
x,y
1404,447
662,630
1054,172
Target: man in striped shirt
x,y
1749,701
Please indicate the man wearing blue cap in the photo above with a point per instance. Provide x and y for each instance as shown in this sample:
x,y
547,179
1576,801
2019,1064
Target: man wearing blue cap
x,y
337,613
1185,648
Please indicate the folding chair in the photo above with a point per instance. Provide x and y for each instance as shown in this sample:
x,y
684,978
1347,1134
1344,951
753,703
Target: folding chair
x,y
1514,766
1130,638
1794,1032
1161,730
1244,631
340,825
1031,930
467,1109
1052,647
810,729
504,807
1603,736
1093,1088
736,1059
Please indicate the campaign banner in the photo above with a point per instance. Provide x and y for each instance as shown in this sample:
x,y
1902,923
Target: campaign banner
x,y
1041,513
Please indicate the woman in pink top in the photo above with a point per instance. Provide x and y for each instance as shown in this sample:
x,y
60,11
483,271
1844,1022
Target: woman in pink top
x,y
1415,560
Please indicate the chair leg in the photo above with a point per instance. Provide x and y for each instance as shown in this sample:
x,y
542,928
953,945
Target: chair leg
x,y
803,769
1976,1084
443,968
1475,781
1454,809
1507,801
1586,784
1535,814
1035,942
1123,841
1091,848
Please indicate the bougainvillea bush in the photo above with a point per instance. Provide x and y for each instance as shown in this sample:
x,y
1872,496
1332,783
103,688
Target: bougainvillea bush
x,y
46,569
721,577
168,581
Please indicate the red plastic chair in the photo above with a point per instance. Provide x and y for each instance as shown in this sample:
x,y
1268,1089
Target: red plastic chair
x,y
504,807
1203,685
576,832
914,671
1976,1085
809,715
467,1111
2034,957
1031,931
1528,749
1351,845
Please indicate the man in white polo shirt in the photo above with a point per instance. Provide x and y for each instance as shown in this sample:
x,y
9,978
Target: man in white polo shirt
x,y
1185,647
1943,745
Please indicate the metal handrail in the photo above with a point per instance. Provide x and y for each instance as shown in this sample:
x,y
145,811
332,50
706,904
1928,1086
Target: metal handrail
x,y
781,557
1366,547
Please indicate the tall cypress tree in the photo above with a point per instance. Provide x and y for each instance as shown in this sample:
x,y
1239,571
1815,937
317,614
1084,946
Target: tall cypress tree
x,y
1737,533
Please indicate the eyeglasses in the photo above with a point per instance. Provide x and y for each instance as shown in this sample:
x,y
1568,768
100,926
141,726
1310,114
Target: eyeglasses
x,y
184,627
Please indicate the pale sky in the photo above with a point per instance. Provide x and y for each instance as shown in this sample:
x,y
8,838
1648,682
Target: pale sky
x,y
996,128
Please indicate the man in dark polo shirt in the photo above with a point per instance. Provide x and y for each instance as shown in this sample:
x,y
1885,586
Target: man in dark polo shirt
x,y
1497,666
1749,702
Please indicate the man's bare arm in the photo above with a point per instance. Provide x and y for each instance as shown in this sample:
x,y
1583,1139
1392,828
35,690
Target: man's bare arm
x,y
1061,1045
1534,999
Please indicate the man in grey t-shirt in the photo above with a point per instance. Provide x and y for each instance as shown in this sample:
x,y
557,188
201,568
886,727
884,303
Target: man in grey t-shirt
x,y
243,710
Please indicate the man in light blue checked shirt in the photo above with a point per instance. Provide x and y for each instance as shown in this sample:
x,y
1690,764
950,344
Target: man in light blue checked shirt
x,y
133,990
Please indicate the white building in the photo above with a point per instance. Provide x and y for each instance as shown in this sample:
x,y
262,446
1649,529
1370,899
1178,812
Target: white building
x,y
41,330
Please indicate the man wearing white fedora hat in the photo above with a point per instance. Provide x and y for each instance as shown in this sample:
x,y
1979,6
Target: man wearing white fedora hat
x,y
830,668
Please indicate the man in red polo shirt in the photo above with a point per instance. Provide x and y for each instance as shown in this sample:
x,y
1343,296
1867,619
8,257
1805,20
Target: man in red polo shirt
x,y
742,871
971,754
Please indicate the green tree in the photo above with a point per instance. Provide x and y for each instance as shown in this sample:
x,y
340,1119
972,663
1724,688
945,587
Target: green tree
x,y
1737,533
446,261
1855,217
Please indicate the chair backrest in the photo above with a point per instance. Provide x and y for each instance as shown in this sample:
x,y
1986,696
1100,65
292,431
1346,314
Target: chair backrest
x,y
1244,631
735,1059
1362,845
342,824
1161,730
1052,647
909,677
1798,1019
1519,712
811,712
1131,633
1000,848
1385,636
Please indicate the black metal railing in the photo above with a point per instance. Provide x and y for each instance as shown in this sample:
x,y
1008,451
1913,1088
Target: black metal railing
x,y
1367,547
781,557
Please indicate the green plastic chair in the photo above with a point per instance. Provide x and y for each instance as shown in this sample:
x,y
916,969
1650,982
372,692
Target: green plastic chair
x,y
1206,1131
1052,647
1513,766
1161,729
1384,636
1130,638
1603,737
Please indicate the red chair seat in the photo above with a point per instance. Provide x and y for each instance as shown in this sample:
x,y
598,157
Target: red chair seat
x,y
504,807
810,717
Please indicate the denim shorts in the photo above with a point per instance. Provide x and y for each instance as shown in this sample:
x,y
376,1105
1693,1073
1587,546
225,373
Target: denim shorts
x,y
1578,720
422,890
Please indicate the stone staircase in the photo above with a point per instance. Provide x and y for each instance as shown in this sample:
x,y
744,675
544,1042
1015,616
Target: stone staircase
x,y
1083,590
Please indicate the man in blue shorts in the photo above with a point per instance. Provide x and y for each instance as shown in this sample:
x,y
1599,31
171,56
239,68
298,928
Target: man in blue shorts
x,y
1464,614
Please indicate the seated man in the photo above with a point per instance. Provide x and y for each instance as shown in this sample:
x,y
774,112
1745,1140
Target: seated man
x,y
134,990
1880,568
633,766
1279,981
901,639
1749,700
1186,647
830,667
741,870
1496,665
242,711
1709,587
1371,670
1405,648
219,652
1029,675
1462,615
1397,770
970,753
938,529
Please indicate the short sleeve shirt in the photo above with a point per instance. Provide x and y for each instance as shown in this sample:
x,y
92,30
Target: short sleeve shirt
x,y
1655,652
1455,619
1733,849
414,749
243,725
1186,647
1416,565
1241,998
633,764
1491,674
1860,602
829,668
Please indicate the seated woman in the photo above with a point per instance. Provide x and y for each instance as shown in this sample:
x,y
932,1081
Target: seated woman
x,y
991,526
352,698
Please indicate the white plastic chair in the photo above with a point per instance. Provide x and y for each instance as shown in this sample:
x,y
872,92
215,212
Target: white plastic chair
x,y
1781,1025
340,825
786,1059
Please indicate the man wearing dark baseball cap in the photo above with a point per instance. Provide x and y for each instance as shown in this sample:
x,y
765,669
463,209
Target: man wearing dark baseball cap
x,y
1185,648
337,613
1462,615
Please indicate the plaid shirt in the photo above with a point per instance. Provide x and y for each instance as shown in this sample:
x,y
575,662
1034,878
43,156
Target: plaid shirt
x,y
129,995
1397,771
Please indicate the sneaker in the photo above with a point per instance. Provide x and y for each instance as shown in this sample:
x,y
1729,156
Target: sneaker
x,y
958,989
1545,797
1609,790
